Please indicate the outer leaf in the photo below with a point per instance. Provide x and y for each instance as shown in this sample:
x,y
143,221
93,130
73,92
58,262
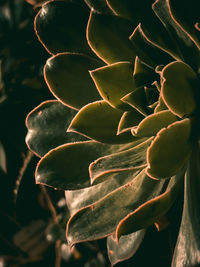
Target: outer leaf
x,y
150,125
125,248
125,160
61,26
135,11
152,210
104,215
47,126
59,167
129,120
137,99
146,51
178,88
169,150
113,82
99,121
187,251
188,52
187,17
77,199
108,36
99,6
68,79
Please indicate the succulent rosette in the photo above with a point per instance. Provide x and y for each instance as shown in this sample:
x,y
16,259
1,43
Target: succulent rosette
x,y
122,136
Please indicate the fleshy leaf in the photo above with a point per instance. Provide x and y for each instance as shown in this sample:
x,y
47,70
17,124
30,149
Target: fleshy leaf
x,y
99,6
125,248
146,51
178,88
113,82
150,125
125,160
188,52
169,150
135,11
58,168
77,199
61,27
152,210
129,120
99,121
108,37
47,125
187,17
104,215
161,105
68,78
137,99
187,250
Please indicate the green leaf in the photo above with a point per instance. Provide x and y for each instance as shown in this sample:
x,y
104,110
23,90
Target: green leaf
x,y
169,150
161,105
108,37
77,199
125,248
187,17
187,50
178,88
135,11
58,168
47,125
99,6
137,99
61,26
113,82
129,120
187,250
99,121
104,215
143,75
150,125
152,210
68,78
133,158
146,51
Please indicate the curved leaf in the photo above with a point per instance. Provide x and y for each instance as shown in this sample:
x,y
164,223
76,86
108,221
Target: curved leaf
x,y
77,199
188,52
108,37
99,121
47,125
125,248
137,99
187,17
133,158
135,11
104,215
152,210
150,125
61,26
169,150
187,250
146,51
113,82
62,166
129,120
99,6
68,78
178,88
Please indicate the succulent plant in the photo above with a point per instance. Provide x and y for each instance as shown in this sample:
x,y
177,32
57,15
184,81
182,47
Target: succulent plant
x,y
122,136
